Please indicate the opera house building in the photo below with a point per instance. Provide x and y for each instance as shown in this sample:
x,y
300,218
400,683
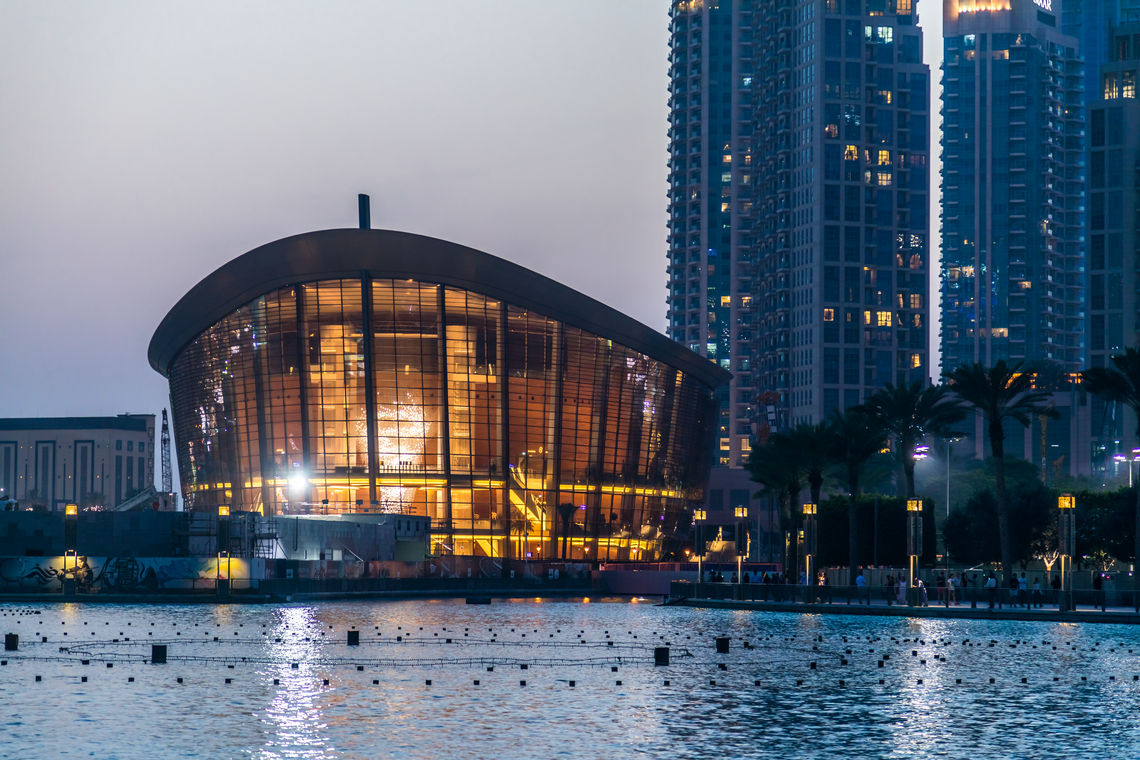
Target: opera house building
x,y
373,372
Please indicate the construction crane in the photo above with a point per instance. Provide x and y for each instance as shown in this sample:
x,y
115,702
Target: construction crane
x,y
167,478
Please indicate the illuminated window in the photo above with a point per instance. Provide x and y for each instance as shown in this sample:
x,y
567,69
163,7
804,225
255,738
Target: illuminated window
x,y
726,300
724,208
883,319
916,360
829,315
916,300
851,153
1128,84
867,317
727,159
1111,87
831,130
746,301
884,179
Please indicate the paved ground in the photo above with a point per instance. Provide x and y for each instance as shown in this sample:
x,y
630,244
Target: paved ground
x,y
1083,613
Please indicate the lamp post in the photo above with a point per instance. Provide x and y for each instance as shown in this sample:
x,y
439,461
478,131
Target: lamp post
x,y
810,547
70,530
699,516
1066,534
742,541
223,585
913,542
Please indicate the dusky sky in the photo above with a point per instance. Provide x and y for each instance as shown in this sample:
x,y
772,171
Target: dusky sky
x,y
144,144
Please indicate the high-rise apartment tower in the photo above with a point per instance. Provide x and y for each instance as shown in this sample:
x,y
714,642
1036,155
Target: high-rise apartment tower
x,y
1013,145
799,172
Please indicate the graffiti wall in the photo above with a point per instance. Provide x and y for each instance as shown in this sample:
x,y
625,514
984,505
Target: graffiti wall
x,y
121,574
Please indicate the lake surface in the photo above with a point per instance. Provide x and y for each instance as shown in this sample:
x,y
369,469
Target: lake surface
x,y
298,690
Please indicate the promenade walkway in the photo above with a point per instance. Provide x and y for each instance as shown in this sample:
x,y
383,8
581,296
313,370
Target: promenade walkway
x,y
973,604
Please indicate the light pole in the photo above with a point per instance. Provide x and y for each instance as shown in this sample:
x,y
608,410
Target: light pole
x,y
741,544
70,529
809,547
1066,534
699,516
913,542
223,585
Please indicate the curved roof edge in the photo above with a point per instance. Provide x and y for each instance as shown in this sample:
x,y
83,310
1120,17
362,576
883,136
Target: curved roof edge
x,y
347,253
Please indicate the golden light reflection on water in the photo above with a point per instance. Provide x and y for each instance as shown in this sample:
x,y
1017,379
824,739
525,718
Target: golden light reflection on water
x,y
293,717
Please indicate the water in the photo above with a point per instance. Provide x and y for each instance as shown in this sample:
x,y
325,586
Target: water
x,y
691,717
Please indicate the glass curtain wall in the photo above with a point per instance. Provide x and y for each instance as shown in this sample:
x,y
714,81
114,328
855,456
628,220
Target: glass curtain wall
x,y
517,435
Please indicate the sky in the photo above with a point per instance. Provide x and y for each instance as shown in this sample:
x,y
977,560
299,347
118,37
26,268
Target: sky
x,y
144,144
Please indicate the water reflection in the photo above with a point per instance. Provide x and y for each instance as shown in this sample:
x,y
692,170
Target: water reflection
x,y
767,700
293,717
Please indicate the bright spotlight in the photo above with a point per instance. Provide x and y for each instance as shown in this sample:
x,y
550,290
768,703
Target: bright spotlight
x,y
297,482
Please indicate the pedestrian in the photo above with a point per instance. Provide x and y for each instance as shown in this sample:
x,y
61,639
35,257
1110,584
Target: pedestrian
x,y
952,588
1024,589
889,585
1014,587
923,599
1037,598
991,589
940,587
902,590
860,586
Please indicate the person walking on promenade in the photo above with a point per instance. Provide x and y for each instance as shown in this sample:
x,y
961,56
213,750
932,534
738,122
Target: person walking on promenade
x,y
1098,589
902,590
1014,587
940,587
991,589
1037,598
1056,586
1024,589
889,585
860,587
952,588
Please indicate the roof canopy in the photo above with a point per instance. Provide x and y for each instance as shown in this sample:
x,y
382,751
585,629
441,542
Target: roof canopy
x,y
385,254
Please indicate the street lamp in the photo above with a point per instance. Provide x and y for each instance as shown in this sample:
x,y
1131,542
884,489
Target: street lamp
x,y
1066,534
810,541
223,585
70,530
913,540
699,516
741,514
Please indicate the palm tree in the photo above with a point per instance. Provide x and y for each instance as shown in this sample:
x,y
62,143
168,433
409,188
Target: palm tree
x,y
778,467
998,393
811,444
856,436
909,413
1121,383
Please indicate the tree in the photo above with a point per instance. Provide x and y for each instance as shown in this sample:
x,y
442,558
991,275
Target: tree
x,y
969,532
999,393
909,413
855,438
811,444
778,467
1121,383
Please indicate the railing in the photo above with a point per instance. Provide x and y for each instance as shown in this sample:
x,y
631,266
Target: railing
x,y
971,597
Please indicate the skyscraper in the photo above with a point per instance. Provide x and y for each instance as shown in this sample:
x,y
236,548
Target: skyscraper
x,y
799,168
1114,202
1013,244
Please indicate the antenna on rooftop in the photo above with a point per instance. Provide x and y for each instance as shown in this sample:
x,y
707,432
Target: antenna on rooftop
x,y
362,202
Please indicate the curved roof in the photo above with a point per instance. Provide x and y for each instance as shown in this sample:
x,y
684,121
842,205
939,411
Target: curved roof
x,y
348,253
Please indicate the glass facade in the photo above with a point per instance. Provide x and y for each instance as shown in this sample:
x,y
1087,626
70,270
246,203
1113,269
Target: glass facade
x,y
517,434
